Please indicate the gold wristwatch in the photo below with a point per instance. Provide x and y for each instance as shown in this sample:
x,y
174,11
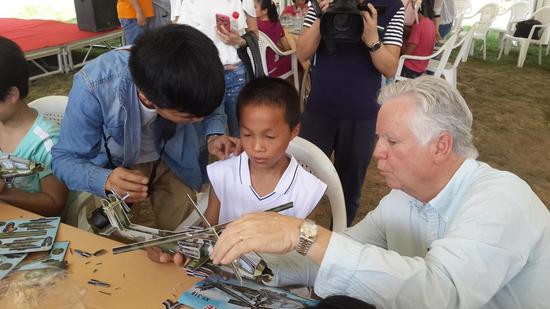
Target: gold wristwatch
x,y
308,234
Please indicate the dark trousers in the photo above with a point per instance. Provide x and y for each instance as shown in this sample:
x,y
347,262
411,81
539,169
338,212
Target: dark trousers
x,y
352,142
408,73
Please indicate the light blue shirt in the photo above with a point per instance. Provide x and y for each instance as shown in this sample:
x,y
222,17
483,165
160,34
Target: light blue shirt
x,y
482,242
36,146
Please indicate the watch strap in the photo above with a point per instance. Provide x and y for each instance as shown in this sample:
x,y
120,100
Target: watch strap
x,y
306,237
375,46
304,245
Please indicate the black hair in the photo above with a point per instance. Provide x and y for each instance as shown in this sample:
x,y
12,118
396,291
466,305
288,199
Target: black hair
x,y
271,8
274,92
178,67
13,69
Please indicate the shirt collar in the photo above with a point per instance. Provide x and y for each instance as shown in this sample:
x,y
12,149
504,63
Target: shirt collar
x,y
446,202
283,184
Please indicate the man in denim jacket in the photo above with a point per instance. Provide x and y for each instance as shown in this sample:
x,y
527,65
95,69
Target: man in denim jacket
x,y
128,126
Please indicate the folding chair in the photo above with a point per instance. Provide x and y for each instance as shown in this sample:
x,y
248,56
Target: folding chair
x,y
264,43
487,15
542,15
317,163
444,51
504,24
450,71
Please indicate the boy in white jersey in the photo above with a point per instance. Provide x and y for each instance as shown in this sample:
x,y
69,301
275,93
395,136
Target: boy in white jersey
x,y
28,135
263,176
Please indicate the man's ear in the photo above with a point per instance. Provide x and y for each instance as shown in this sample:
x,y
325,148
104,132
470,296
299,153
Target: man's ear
x,y
442,147
13,95
295,131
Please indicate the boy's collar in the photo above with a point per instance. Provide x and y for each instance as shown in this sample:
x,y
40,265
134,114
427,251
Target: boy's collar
x,y
284,183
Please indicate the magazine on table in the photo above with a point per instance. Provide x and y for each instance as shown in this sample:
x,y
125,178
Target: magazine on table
x,y
216,292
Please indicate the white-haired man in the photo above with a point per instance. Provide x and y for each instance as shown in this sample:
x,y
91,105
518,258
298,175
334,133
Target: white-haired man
x,y
452,233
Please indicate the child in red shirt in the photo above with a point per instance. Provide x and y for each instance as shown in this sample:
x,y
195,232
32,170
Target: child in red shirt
x,y
420,43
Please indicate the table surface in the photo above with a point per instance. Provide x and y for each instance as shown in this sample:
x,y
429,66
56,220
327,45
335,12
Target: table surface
x,y
136,282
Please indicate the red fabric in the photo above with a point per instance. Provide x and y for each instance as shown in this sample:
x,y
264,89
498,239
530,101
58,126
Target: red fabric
x,y
33,34
276,65
423,36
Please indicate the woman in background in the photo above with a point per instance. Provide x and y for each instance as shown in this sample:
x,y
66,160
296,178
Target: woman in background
x,y
268,23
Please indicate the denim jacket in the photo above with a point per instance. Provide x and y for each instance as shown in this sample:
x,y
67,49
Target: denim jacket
x,y
103,100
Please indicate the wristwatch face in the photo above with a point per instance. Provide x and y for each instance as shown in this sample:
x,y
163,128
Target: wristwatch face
x,y
375,46
310,229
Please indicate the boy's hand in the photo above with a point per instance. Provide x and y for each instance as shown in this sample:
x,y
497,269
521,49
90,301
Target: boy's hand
x,y
124,181
156,254
222,146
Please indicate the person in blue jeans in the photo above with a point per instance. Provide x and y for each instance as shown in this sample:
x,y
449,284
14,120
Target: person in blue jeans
x,y
444,17
134,16
242,16
128,126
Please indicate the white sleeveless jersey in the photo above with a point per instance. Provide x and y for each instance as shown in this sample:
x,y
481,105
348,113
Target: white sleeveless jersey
x,y
230,180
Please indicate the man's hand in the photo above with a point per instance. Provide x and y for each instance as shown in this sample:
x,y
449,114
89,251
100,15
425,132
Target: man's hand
x,y
264,232
222,146
125,181
156,254
370,22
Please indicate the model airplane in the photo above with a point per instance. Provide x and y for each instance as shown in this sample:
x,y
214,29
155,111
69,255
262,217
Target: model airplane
x,y
194,242
12,167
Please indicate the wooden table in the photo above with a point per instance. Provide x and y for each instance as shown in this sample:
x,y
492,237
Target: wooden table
x,y
136,282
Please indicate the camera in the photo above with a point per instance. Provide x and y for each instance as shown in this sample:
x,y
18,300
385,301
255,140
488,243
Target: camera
x,y
343,22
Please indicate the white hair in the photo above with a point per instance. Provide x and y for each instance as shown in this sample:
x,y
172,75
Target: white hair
x,y
440,108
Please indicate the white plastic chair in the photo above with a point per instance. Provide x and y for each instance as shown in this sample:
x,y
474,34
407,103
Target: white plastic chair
x,y
316,162
462,7
264,43
542,15
444,51
451,70
505,22
487,15
52,107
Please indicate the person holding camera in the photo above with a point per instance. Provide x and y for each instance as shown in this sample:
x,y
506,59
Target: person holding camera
x,y
340,115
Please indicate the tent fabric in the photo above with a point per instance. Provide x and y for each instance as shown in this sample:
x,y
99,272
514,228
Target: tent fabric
x,y
35,34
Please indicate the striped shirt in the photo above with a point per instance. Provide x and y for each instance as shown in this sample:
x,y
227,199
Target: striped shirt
x,y
393,34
